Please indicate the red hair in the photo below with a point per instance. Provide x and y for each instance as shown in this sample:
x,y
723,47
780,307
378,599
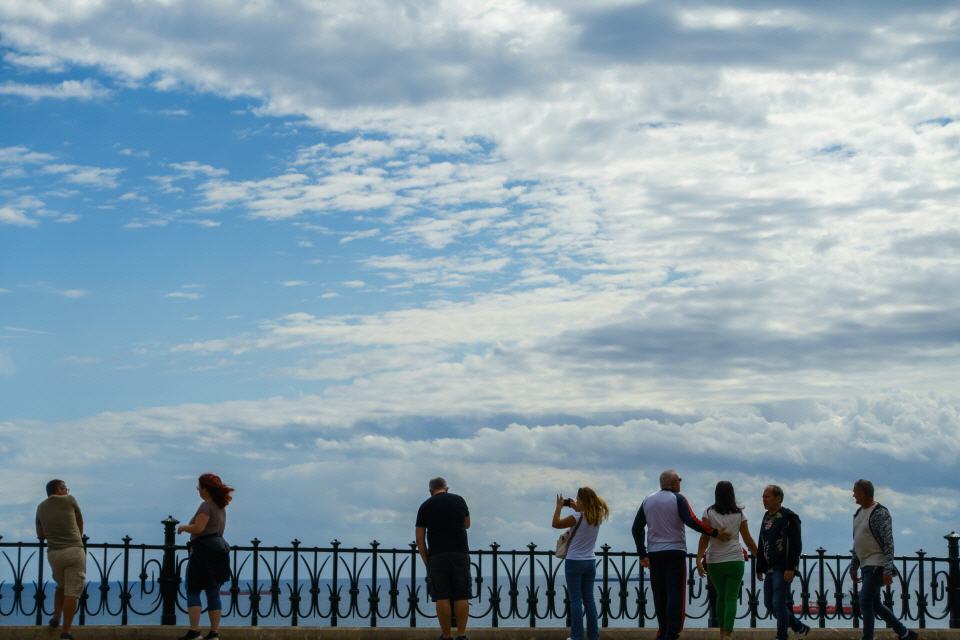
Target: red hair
x,y
219,492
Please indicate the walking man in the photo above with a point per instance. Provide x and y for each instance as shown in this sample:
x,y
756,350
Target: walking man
x,y
59,521
873,557
779,545
666,514
442,523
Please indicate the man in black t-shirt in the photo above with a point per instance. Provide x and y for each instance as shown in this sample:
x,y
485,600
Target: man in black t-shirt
x,y
442,523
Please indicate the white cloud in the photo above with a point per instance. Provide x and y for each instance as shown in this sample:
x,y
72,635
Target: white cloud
x,y
66,90
85,175
16,218
294,283
73,293
183,295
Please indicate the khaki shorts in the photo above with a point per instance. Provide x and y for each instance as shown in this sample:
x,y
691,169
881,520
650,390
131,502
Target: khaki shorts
x,y
69,569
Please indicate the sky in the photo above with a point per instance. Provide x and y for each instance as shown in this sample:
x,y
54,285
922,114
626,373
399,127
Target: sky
x,y
331,250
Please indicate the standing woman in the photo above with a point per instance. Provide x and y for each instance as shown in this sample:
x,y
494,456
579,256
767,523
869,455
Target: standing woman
x,y
580,567
725,560
209,564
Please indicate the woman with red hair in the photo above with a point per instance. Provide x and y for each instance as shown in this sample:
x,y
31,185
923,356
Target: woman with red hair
x,y
209,564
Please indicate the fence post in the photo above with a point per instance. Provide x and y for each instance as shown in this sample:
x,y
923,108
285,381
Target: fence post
x,y
169,581
414,558
953,578
255,589
605,600
335,588
494,587
39,593
532,589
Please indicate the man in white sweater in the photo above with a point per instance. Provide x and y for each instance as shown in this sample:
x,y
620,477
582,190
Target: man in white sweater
x,y
873,557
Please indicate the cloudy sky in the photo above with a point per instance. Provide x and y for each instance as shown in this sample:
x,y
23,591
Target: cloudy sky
x,y
330,250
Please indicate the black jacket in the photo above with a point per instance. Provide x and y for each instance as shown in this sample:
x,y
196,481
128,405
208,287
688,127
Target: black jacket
x,y
209,565
779,543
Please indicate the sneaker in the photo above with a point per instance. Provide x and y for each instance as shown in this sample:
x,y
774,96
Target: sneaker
x,y
213,635
804,631
191,635
66,636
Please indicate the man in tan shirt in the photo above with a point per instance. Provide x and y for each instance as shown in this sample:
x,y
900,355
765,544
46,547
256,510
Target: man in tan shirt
x,y
59,521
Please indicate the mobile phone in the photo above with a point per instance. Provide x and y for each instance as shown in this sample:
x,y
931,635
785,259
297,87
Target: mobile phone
x,y
568,502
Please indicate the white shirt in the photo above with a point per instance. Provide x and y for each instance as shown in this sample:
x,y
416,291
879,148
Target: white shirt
x,y
864,544
729,551
584,540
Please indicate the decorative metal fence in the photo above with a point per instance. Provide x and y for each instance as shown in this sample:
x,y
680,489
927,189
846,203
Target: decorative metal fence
x,y
370,586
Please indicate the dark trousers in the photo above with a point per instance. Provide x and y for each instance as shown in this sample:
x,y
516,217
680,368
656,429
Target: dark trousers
x,y
777,596
668,582
871,604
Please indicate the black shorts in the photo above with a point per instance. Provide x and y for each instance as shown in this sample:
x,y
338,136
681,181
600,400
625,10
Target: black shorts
x,y
448,576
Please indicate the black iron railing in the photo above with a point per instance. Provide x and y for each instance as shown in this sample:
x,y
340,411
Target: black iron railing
x,y
369,586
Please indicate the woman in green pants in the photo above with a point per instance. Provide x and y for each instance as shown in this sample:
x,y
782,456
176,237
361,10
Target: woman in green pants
x,y
725,560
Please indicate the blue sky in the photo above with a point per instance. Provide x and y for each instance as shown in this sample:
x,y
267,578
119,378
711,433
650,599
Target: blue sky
x,y
331,250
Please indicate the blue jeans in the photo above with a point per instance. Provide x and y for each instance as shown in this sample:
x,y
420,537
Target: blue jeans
x,y
580,575
213,599
778,600
870,603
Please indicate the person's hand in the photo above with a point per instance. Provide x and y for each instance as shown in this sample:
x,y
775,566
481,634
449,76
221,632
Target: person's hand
x,y
854,576
887,580
723,536
559,501
788,575
759,576
645,563
182,528
701,569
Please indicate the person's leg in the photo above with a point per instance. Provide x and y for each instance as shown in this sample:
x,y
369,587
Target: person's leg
x,y
193,609
213,608
589,602
443,616
74,576
869,593
676,590
57,605
69,609
439,574
659,591
462,609
573,571
888,616
778,602
726,578
732,584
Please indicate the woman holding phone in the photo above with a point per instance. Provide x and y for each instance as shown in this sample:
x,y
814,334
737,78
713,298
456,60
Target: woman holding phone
x,y
580,567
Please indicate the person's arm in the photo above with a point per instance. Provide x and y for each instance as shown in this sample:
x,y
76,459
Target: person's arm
x,y
794,547
761,565
199,524
466,522
558,522
422,543
748,539
77,514
40,534
639,535
702,550
690,519
881,527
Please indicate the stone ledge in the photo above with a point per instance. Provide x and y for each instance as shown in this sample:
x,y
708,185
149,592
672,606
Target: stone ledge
x,y
156,632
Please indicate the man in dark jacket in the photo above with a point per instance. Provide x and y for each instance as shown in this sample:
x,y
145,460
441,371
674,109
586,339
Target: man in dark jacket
x,y
873,554
779,546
